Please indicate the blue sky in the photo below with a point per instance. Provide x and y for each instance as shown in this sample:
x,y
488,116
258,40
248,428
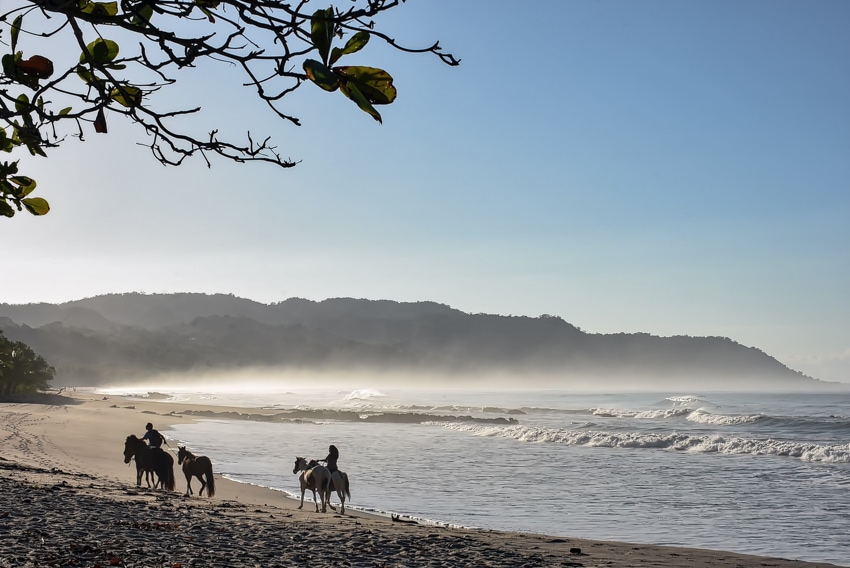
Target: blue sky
x,y
676,168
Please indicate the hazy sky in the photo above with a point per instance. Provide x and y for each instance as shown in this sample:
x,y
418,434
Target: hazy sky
x,y
676,168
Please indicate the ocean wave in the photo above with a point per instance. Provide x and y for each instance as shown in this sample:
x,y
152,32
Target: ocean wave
x,y
300,415
701,416
642,414
363,394
686,400
673,441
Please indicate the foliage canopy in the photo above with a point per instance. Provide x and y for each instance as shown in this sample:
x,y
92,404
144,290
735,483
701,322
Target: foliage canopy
x,y
71,66
22,371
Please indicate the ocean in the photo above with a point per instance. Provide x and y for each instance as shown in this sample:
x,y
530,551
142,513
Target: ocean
x,y
765,474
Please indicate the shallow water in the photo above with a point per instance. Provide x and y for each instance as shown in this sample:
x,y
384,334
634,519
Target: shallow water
x,y
760,474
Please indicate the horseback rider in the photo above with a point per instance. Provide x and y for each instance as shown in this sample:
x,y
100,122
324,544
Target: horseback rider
x,y
154,438
330,461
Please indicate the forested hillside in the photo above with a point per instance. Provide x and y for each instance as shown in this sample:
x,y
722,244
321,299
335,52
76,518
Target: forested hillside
x,y
125,337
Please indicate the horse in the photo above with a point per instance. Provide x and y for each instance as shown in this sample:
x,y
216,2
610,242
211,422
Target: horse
x,y
133,446
198,466
149,459
314,477
339,483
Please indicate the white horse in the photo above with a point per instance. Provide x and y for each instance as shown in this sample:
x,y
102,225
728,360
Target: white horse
x,y
314,477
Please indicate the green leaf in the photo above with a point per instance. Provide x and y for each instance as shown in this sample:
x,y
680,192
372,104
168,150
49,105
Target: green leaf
x,y
10,69
36,205
354,44
101,51
100,8
321,75
25,185
375,84
90,78
143,16
16,28
84,74
9,65
6,145
351,91
5,209
322,31
127,96
8,168
22,103
64,111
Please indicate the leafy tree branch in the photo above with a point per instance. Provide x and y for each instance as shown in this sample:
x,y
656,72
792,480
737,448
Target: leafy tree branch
x,y
70,67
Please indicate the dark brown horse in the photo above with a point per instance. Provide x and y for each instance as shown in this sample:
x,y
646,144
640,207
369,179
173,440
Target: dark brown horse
x,y
150,460
198,466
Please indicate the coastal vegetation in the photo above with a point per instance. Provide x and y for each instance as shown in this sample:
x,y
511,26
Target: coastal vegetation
x,y
22,371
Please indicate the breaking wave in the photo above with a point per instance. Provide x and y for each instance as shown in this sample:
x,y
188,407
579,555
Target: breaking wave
x,y
670,441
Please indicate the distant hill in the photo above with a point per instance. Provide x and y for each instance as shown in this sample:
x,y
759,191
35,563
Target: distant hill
x,y
126,337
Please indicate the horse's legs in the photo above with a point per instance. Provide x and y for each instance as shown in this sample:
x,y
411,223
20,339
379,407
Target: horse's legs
x,y
203,484
341,496
337,484
329,492
317,502
189,484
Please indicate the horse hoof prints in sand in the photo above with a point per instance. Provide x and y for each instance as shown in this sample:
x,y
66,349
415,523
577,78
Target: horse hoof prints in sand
x,y
148,461
317,477
197,466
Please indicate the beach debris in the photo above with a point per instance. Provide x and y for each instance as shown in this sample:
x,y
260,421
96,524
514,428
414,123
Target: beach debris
x,y
398,519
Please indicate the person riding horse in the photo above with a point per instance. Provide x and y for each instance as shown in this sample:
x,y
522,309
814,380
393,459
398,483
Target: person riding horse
x,y
330,461
154,438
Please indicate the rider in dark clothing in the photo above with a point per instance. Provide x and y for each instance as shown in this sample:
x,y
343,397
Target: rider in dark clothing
x,y
333,456
153,437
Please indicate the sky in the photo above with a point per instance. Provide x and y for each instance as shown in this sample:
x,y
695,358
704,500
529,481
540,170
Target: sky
x,y
674,168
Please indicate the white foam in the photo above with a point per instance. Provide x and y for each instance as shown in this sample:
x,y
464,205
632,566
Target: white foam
x,y
702,416
671,441
641,414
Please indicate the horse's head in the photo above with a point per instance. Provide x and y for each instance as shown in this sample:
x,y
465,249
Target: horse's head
x,y
129,448
300,465
181,454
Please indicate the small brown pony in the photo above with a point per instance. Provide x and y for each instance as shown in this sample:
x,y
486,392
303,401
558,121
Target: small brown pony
x,y
198,466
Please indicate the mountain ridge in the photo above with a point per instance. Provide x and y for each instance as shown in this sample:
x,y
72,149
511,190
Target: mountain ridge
x,y
123,337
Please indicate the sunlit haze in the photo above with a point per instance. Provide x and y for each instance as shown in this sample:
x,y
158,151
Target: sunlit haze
x,y
675,168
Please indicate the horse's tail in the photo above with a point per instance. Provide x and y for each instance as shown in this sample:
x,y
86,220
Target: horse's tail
x,y
169,479
167,468
210,480
347,489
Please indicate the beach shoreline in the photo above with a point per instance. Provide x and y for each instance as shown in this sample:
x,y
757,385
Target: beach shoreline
x,y
61,466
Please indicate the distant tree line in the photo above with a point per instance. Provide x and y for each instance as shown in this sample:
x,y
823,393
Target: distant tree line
x,y
22,371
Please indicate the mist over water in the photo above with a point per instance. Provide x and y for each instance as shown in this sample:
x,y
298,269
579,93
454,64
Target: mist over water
x,y
757,473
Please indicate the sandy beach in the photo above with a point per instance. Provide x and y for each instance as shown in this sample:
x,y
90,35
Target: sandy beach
x,y
67,499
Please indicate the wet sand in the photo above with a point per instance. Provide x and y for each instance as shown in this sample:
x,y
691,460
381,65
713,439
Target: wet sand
x,y
67,499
